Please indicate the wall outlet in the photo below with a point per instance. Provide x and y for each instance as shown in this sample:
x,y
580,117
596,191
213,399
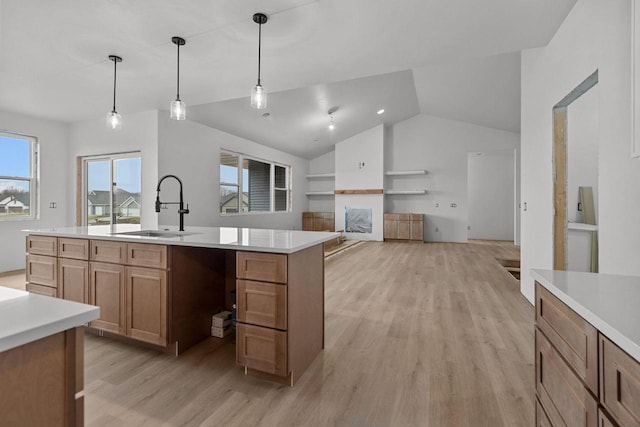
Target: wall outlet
x,y
468,227
437,205
437,229
53,205
454,205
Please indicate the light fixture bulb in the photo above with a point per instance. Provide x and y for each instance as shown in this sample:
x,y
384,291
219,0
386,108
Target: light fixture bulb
x,y
381,111
258,97
178,110
332,124
114,120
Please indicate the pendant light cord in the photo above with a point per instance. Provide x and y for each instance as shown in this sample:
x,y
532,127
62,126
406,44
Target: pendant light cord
x,y
115,63
259,48
178,78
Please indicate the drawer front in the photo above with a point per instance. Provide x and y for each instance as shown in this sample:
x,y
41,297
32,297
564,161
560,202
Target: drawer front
x,y
541,417
73,248
262,349
42,290
620,384
73,280
263,304
42,245
42,270
146,255
564,397
416,217
572,336
108,251
264,267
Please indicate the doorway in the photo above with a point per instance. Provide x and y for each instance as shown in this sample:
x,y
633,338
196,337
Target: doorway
x,y
111,189
574,179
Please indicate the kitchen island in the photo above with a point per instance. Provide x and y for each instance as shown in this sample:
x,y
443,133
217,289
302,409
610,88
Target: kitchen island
x,y
162,286
587,349
41,359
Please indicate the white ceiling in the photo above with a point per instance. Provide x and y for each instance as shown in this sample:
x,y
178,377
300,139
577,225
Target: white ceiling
x,y
53,54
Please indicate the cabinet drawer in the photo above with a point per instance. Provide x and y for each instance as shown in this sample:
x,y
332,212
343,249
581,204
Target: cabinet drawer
x,y
73,280
619,383
42,245
397,216
42,290
564,397
146,255
541,417
263,304
73,248
42,270
108,251
262,349
572,336
264,267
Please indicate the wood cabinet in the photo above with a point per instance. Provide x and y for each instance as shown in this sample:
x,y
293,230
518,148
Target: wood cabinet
x,y
42,270
280,328
42,290
318,221
403,226
146,304
73,280
582,377
42,245
107,291
146,255
108,251
73,248
541,417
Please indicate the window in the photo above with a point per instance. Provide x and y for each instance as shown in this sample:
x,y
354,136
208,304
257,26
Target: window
x,y
251,185
18,176
112,185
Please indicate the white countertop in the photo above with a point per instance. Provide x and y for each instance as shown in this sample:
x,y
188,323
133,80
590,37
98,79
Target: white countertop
x,y
611,303
248,239
27,317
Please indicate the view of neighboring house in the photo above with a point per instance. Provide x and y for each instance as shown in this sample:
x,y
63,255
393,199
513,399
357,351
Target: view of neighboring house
x,y
229,203
15,204
126,204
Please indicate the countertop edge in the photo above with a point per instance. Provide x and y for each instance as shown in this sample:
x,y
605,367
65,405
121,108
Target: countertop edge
x,y
619,339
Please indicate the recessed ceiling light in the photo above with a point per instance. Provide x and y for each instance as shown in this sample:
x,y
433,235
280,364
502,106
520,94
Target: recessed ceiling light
x,y
380,111
266,115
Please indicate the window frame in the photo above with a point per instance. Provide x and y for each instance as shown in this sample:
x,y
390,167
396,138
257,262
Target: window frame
x,y
272,189
33,178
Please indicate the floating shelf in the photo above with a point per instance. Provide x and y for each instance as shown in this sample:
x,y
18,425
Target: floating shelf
x,y
320,175
405,192
319,193
398,173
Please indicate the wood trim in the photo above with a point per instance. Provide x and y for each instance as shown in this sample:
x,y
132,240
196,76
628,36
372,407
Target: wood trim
x,y
78,191
373,191
559,188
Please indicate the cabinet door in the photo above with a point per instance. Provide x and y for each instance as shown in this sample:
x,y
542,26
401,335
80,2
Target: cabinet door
x,y
619,383
417,227
73,280
404,230
146,300
42,270
328,222
390,229
564,397
307,221
261,348
263,304
106,283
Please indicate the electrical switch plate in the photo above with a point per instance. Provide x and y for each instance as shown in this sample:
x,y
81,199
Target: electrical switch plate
x,y
437,205
454,205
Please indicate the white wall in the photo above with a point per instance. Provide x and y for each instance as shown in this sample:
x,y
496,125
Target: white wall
x,y
440,146
191,151
139,133
491,195
322,164
582,151
365,148
52,138
595,35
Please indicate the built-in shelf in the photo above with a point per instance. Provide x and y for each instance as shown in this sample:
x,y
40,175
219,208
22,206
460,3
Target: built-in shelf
x,y
320,176
398,173
405,192
319,193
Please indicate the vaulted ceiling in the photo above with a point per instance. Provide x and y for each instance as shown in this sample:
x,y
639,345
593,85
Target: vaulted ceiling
x,y
53,58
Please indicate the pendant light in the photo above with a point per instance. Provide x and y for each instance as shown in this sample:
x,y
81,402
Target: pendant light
x,y
178,110
258,95
114,120
332,124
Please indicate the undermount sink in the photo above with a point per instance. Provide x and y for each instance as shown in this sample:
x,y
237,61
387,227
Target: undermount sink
x,y
156,233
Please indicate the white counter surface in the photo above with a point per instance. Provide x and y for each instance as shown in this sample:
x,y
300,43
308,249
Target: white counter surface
x,y
611,303
248,239
26,317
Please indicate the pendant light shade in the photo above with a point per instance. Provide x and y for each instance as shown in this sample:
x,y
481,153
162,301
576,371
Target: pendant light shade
x,y
258,94
177,108
114,120
332,124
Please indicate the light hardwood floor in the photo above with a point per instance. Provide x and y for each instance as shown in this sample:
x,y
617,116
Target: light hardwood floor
x,y
416,335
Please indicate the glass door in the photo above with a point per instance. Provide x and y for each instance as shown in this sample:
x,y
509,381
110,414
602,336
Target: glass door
x,y
112,189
